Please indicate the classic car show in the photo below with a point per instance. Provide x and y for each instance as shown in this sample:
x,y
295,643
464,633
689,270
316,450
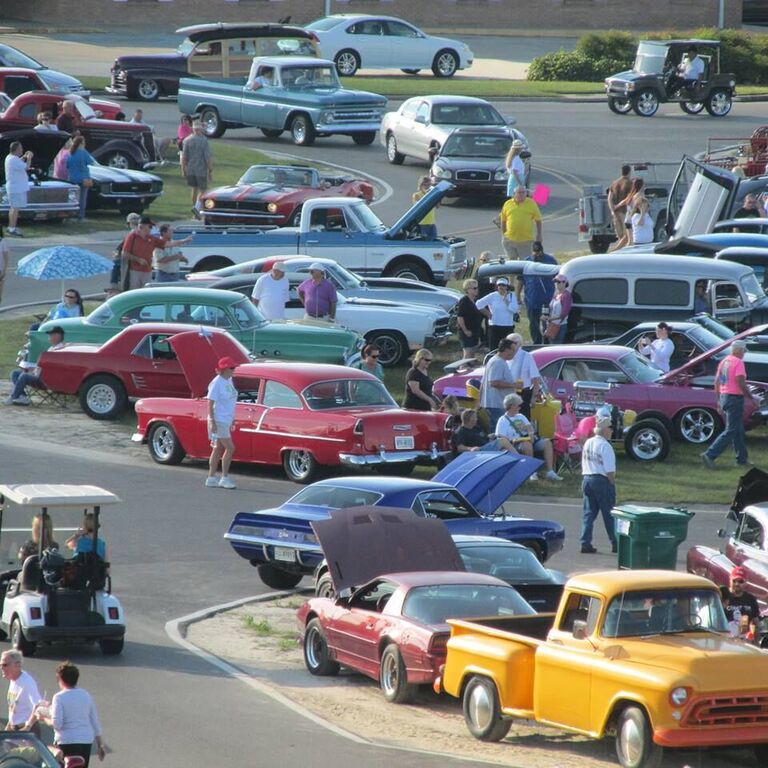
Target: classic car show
x,y
371,392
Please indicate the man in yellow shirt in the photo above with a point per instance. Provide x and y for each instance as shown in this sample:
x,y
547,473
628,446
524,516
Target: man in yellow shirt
x,y
518,216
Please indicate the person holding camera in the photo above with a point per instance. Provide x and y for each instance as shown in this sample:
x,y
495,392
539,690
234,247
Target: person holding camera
x,y
17,165
659,351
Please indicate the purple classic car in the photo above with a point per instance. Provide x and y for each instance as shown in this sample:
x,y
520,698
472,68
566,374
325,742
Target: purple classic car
x,y
688,411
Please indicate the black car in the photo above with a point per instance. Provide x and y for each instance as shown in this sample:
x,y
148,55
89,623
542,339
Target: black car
x,y
208,50
473,160
692,339
123,190
651,81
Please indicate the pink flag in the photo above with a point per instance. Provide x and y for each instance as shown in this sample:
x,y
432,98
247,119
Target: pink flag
x,y
540,194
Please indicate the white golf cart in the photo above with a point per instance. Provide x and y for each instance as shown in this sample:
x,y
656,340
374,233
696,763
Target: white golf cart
x,y
47,597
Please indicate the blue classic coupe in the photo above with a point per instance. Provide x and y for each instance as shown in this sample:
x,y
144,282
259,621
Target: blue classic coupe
x,y
466,495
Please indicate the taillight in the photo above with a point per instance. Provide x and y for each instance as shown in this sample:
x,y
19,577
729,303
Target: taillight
x,y
113,613
35,613
438,644
582,220
358,430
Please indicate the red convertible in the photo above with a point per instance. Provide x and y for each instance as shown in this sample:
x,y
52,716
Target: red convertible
x,y
300,415
138,362
274,194
393,628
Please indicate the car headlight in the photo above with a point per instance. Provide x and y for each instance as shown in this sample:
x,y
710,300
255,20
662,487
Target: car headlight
x,y
501,175
441,173
209,204
326,117
73,196
678,696
272,207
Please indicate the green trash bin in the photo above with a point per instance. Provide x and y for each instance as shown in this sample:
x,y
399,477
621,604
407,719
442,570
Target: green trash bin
x,y
648,537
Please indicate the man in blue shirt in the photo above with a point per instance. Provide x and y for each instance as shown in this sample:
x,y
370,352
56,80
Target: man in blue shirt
x,y
536,291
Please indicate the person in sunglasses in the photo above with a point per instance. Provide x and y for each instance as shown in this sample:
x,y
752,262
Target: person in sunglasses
x,y
369,361
741,607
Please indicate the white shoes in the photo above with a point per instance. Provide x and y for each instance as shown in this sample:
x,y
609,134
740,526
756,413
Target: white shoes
x,y
533,478
20,400
225,482
552,475
211,482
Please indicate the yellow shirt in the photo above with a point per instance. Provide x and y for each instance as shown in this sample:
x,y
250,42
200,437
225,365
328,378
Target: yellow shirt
x,y
430,217
519,219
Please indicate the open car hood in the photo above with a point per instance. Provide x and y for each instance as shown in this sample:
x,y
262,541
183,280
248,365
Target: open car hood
x,y
44,145
199,352
524,268
487,478
752,489
361,543
420,209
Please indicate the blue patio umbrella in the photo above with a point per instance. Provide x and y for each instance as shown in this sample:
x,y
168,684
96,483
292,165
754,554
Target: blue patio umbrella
x,y
62,262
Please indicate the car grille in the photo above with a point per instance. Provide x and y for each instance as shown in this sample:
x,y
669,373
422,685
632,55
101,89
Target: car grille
x,y
458,253
473,175
119,78
356,115
48,195
729,710
142,188
442,326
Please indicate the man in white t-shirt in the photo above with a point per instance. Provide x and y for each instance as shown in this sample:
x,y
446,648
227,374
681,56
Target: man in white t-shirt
x,y
598,469
689,71
270,294
17,164
23,693
222,401
524,369
660,350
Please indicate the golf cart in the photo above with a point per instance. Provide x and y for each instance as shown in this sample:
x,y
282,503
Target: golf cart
x,y
47,597
650,82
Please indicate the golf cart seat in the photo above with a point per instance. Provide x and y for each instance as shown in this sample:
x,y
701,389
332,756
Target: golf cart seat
x,y
31,576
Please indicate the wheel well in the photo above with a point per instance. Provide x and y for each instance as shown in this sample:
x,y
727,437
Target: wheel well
x,y
406,258
296,113
664,419
212,262
449,50
106,374
468,675
379,331
311,615
609,726
537,547
384,643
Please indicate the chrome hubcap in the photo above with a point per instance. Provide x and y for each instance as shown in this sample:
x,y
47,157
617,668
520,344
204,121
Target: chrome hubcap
x,y
389,349
391,147
119,161
347,63
162,442
697,426
210,122
446,64
315,647
300,463
299,131
148,89
647,444
101,398
647,103
622,105
389,680
480,708
721,103
694,106
631,742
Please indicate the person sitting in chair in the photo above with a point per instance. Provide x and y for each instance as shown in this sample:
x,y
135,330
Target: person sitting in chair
x,y
689,72
82,540
22,379
40,531
470,437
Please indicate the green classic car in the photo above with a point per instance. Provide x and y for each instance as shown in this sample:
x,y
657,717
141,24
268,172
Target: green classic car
x,y
289,340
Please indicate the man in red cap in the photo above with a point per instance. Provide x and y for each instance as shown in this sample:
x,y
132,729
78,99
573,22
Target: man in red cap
x,y
741,607
222,399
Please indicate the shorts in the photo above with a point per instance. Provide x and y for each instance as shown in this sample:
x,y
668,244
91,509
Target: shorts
x,y
467,342
220,430
516,249
138,279
538,445
198,182
17,200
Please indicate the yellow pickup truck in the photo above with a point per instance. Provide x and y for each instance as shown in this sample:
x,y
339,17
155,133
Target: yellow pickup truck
x,y
642,655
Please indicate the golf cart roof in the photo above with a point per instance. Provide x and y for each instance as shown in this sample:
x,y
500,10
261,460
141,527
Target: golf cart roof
x,y
683,41
57,495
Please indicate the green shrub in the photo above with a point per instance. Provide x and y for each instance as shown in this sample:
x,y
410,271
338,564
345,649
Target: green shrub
x,y
564,65
608,45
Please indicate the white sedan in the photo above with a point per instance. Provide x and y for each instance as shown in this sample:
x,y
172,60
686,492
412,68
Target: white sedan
x,y
357,41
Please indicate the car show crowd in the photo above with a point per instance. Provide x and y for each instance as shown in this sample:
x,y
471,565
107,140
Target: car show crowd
x,y
527,397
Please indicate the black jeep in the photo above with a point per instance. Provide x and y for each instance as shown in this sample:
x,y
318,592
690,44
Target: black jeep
x,y
655,78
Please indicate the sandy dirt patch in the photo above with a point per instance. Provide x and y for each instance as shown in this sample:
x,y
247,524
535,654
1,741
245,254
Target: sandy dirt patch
x,y
261,639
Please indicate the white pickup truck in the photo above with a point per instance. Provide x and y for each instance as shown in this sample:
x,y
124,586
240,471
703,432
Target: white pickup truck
x,y
347,231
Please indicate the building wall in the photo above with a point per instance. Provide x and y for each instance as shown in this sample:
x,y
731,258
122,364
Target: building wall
x,y
167,15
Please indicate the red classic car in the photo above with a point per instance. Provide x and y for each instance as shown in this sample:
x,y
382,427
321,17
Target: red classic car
x,y
746,534
274,194
688,411
112,142
393,628
138,362
300,415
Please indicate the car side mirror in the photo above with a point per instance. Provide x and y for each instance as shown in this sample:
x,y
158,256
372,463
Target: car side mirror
x,y
510,120
722,533
579,631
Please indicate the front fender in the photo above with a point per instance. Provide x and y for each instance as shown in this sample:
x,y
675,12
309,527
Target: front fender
x,y
122,145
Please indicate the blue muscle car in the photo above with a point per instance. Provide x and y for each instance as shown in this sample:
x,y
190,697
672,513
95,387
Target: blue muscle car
x,y
466,495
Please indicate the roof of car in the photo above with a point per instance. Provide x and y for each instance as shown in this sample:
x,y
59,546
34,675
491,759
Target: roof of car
x,y
302,374
177,295
413,579
280,62
684,41
364,16
612,582
491,130
446,99
623,264
578,351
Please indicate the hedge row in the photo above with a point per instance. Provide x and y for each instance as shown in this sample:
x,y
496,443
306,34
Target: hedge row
x,y
601,54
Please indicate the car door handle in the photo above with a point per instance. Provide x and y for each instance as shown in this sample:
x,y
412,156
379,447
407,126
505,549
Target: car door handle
x,y
312,242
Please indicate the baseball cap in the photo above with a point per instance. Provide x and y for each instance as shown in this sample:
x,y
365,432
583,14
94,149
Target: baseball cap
x,y
278,265
224,363
739,573
316,266
132,218
502,281
603,421
56,329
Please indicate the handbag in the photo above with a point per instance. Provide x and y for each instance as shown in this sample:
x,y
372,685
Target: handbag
x,y
551,331
87,183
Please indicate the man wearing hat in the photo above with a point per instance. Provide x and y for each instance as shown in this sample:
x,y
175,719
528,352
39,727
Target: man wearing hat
x,y
318,295
741,607
119,277
598,484
270,293
731,390
536,291
515,167
500,307
519,217
32,377
222,400
138,249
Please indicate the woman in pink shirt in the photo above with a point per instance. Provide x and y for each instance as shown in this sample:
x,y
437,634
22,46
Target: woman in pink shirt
x,y
731,389
60,162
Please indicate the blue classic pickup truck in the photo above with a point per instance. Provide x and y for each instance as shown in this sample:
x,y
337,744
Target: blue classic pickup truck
x,y
286,93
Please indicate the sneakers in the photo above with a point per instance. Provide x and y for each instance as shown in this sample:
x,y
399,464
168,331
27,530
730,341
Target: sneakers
x,y
708,462
533,478
614,548
588,549
225,482
22,400
211,482
552,475
13,233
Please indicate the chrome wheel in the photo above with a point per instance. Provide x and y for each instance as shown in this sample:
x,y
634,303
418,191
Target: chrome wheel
x,y
347,63
392,346
634,743
719,103
393,155
630,742
148,90
445,64
697,425
647,441
317,657
620,106
164,445
646,103
479,707
118,160
101,399
692,107
300,466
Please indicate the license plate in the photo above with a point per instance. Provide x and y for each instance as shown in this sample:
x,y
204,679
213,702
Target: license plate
x,y
285,554
403,442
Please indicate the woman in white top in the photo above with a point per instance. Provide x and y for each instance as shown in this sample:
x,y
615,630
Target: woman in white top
x,y
73,716
660,349
642,223
501,309
515,167
222,400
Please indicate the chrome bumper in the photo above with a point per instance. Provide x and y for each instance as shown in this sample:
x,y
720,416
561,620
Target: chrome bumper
x,y
437,340
138,437
392,457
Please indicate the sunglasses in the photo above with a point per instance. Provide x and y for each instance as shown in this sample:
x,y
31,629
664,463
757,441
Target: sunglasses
x,y
738,581
70,296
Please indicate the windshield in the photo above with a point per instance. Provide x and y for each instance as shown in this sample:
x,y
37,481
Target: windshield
x,y
20,749
476,145
639,369
101,315
466,114
752,288
185,47
10,57
370,221
434,604
655,612
247,315
515,564
650,59
323,25
705,338
347,393
310,77
334,497
281,176
84,109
